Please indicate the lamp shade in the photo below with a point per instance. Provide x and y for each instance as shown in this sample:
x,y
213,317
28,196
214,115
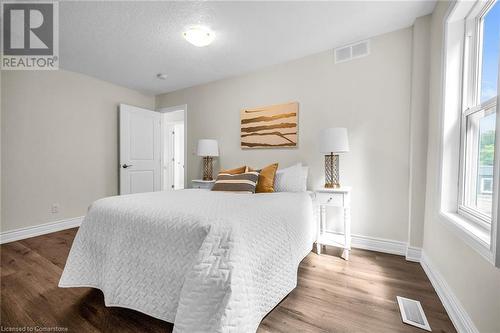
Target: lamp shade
x,y
208,147
333,140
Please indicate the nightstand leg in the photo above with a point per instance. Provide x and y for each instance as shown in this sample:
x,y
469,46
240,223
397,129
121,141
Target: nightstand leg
x,y
345,254
322,219
347,232
318,231
323,222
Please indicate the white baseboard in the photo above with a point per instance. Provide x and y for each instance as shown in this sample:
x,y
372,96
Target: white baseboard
x,y
413,253
378,244
458,315
385,246
41,229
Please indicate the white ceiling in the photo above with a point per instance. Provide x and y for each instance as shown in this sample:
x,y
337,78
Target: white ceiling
x,y
128,43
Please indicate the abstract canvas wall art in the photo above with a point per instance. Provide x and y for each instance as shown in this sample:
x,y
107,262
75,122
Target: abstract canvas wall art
x,y
274,126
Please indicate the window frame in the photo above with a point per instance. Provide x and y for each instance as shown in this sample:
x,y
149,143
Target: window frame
x,y
471,106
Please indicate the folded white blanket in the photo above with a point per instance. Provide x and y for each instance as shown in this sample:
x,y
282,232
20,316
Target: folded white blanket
x,y
206,261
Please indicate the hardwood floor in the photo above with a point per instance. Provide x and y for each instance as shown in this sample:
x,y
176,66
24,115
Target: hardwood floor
x,y
332,295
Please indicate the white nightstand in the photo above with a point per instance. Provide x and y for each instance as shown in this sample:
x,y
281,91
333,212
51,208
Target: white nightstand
x,y
335,197
203,184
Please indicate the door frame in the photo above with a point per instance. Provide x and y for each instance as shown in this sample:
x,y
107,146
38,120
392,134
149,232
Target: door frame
x,y
162,129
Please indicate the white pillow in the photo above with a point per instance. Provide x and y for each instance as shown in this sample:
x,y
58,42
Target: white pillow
x,y
291,179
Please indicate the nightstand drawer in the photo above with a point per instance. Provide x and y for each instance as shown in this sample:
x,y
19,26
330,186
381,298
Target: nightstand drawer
x,y
330,199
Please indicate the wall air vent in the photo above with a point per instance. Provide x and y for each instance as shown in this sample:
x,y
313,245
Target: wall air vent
x,y
352,51
412,313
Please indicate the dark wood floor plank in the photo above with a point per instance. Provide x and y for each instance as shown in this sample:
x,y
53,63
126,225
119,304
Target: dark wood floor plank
x,y
332,295
54,249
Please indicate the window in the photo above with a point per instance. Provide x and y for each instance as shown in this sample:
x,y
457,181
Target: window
x,y
469,177
479,113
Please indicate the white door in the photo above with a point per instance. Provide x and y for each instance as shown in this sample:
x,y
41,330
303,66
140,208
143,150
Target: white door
x,y
140,150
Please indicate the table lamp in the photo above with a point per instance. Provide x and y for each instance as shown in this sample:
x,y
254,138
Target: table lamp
x,y
333,141
207,148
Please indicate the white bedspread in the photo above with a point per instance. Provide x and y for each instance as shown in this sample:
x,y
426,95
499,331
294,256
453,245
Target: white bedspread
x,y
206,261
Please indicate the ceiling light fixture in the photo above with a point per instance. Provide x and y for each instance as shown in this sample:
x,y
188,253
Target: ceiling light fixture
x,y
199,35
161,76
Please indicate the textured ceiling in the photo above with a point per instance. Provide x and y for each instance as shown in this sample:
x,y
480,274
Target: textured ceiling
x,y
128,43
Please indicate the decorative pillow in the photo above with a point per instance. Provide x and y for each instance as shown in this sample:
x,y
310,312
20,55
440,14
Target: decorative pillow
x,y
235,171
243,182
267,176
291,179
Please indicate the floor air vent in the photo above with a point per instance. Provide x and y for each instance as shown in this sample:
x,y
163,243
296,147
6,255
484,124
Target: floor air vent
x,y
412,313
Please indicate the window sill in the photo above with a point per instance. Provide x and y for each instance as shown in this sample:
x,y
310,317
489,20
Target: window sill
x,y
476,237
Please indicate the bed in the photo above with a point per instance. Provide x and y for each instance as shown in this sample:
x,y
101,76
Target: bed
x,y
205,261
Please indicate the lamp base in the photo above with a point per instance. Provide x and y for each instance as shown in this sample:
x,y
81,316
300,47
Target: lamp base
x,y
207,168
332,171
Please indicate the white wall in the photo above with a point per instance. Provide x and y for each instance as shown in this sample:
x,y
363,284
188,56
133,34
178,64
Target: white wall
x,y
370,96
59,143
473,280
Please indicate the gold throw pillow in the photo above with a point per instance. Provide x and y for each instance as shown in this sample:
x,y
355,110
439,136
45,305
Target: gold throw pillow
x,y
265,184
235,171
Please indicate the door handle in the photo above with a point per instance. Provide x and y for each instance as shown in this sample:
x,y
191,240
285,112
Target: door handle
x,y
126,166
